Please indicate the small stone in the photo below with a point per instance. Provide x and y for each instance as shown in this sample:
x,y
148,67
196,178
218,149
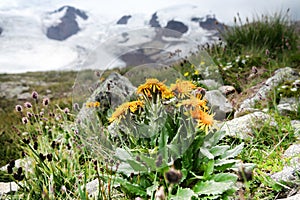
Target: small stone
x,y
227,89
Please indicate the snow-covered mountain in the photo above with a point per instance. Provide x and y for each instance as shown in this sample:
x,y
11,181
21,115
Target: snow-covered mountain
x,y
39,35
69,37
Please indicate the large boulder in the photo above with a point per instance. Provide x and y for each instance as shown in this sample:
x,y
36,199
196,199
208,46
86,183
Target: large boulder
x,y
243,127
219,104
68,25
115,90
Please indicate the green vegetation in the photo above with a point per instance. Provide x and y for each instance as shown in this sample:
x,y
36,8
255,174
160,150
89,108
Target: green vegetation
x,y
154,165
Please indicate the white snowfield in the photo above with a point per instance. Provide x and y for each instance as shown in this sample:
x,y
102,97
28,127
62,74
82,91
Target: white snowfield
x,y
24,45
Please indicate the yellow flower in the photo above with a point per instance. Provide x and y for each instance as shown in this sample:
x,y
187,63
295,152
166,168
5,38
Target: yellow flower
x,y
92,104
154,86
202,63
196,72
134,105
205,121
122,110
182,88
195,102
186,74
119,112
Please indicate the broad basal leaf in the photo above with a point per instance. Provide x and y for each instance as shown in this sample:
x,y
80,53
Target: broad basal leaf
x,y
212,187
183,194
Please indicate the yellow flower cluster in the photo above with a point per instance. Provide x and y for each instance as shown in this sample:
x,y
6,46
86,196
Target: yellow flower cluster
x,y
186,92
95,104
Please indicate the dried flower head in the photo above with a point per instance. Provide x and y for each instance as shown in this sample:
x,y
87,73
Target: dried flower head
x,y
173,175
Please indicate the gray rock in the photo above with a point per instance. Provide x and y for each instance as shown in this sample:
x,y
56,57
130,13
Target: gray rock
x,y
227,89
293,150
280,76
290,172
24,96
210,84
296,126
242,127
288,106
115,90
92,188
11,90
7,187
219,104
295,197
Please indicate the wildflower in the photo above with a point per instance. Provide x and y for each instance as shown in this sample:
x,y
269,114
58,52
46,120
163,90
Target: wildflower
x,y
34,95
46,101
182,88
199,92
19,108
293,89
186,74
195,102
196,72
27,105
122,110
134,105
154,86
205,121
29,114
92,104
119,112
66,110
24,120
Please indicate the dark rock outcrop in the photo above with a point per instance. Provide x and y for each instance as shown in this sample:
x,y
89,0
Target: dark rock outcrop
x,y
211,23
68,25
175,29
154,22
124,19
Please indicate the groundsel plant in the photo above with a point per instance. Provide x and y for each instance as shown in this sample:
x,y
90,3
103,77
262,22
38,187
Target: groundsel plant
x,y
166,147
